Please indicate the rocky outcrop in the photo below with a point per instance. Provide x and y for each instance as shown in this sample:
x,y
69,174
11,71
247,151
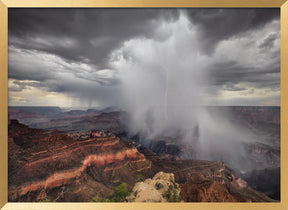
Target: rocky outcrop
x,y
161,188
201,189
66,176
59,166
220,184
262,155
206,181
57,160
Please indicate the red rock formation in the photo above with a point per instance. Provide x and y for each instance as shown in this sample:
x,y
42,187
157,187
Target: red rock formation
x,y
200,189
58,160
206,181
80,166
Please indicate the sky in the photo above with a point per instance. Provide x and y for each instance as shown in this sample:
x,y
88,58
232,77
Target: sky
x,y
102,57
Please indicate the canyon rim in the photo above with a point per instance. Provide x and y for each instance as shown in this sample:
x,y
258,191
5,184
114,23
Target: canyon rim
x,y
107,103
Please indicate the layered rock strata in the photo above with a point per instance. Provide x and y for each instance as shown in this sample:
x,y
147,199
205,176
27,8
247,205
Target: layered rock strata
x,y
51,161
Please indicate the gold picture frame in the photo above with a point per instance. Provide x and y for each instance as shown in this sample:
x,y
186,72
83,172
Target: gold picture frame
x,y
5,4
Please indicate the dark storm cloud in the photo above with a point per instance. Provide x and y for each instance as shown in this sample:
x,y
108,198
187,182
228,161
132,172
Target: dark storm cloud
x,y
269,41
259,28
233,87
38,66
67,50
18,85
220,24
17,73
228,75
82,35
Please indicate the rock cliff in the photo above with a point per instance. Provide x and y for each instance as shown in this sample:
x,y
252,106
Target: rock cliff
x,y
43,161
79,166
161,188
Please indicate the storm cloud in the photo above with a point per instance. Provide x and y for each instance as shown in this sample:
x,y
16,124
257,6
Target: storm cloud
x,y
74,51
82,35
216,25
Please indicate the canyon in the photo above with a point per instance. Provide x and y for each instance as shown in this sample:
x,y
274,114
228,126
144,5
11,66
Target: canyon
x,y
82,155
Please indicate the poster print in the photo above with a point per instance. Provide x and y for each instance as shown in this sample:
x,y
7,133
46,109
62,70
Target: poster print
x,y
144,105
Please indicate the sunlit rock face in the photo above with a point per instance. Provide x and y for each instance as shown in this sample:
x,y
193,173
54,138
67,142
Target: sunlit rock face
x,y
54,160
79,166
161,188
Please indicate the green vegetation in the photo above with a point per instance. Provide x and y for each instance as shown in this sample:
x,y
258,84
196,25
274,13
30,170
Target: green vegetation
x,y
158,186
45,200
171,194
119,194
96,199
139,178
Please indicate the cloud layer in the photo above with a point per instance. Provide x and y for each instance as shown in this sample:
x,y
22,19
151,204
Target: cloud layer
x,y
72,53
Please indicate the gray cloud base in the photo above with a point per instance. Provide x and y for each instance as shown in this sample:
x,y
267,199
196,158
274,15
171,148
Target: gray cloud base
x,y
82,40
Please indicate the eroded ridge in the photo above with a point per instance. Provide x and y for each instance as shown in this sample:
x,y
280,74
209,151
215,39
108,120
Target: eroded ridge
x,y
59,159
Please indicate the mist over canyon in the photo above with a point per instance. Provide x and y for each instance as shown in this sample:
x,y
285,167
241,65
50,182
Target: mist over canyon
x,y
63,140
183,102
163,88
